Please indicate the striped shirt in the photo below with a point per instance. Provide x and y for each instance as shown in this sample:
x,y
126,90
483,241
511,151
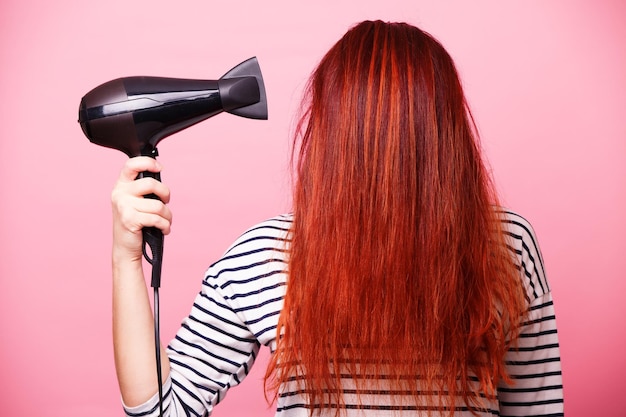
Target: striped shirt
x,y
237,311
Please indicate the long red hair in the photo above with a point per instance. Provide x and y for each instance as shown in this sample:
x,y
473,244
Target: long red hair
x,y
398,266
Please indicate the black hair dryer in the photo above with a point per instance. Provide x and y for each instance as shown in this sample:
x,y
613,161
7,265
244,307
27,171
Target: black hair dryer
x,y
134,114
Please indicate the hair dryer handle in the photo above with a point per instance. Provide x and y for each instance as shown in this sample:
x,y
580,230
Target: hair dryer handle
x,y
153,238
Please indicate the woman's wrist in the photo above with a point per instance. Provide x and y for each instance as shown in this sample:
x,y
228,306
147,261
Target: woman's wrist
x,y
124,262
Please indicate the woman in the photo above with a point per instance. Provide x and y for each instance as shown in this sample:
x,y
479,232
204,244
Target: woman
x,y
398,286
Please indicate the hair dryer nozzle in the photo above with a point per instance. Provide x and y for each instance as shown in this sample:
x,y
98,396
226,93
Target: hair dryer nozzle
x,y
243,92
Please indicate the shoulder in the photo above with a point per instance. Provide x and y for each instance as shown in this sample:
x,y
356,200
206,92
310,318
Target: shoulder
x,y
271,232
520,231
523,242
256,257
516,223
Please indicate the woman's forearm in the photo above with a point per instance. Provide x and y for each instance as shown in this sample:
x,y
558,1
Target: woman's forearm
x,y
133,334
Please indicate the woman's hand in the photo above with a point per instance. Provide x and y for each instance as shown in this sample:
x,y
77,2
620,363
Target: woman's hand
x,y
132,211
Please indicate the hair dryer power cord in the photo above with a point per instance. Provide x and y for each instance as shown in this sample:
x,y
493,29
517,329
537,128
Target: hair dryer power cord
x,y
157,347
156,247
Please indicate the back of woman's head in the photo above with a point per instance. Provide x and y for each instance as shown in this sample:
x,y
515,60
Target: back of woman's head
x,y
397,266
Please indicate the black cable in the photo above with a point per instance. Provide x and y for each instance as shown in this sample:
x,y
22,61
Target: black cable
x,y
154,239
157,346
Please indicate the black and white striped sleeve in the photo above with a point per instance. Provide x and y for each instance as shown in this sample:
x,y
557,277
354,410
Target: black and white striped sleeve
x,y
234,313
534,364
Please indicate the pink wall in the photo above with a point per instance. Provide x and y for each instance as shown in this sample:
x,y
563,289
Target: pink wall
x,y
547,82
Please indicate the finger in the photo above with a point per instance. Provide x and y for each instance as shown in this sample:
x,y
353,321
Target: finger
x,y
147,185
140,220
154,220
136,214
151,206
138,164
140,188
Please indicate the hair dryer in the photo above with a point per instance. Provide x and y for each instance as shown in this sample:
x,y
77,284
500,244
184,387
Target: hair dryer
x,y
134,114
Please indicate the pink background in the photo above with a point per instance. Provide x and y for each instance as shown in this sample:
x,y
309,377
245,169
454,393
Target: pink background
x,y
546,81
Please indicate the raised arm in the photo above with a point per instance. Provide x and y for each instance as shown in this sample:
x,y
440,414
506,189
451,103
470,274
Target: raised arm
x,y
133,330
